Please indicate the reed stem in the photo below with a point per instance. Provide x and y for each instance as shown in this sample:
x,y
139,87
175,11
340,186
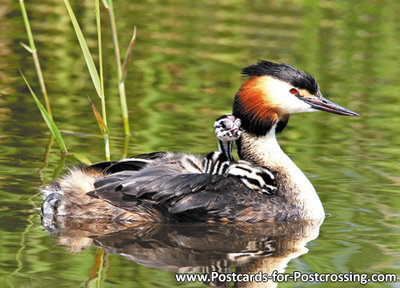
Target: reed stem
x,y
107,147
35,56
121,84
126,147
103,98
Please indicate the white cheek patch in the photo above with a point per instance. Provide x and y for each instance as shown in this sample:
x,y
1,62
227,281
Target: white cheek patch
x,y
282,99
299,106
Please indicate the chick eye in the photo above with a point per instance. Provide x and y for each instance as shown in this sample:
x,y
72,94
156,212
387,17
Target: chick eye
x,y
294,91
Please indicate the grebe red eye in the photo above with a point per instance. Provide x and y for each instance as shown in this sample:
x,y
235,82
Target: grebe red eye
x,y
294,91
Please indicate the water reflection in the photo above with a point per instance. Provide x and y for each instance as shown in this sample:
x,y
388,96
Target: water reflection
x,y
204,248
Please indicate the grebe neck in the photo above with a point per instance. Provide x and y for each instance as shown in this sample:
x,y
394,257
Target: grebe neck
x,y
293,185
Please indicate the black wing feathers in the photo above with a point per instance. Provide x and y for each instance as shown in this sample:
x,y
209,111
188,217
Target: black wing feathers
x,y
184,196
163,183
166,192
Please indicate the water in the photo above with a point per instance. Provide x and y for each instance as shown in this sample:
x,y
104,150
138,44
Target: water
x,y
185,71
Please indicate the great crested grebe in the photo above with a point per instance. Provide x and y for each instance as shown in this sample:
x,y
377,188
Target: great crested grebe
x,y
169,187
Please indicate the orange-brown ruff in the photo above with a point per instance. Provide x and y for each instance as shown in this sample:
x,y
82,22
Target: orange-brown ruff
x,y
255,99
169,187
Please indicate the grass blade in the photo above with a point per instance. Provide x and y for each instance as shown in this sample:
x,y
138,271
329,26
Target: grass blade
x,y
85,50
49,121
102,125
128,56
103,129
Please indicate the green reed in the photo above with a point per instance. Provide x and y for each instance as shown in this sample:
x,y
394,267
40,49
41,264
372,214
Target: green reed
x,y
47,118
32,49
97,78
46,112
121,69
103,123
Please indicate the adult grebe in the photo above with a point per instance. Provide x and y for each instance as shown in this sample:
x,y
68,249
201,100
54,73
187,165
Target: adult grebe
x,y
169,187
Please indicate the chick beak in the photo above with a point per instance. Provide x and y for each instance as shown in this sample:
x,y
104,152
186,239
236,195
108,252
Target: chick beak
x,y
320,103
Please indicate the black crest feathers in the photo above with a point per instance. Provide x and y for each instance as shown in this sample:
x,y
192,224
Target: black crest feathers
x,y
284,72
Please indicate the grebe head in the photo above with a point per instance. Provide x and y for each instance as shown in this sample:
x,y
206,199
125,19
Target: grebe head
x,y
273,92
227,127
